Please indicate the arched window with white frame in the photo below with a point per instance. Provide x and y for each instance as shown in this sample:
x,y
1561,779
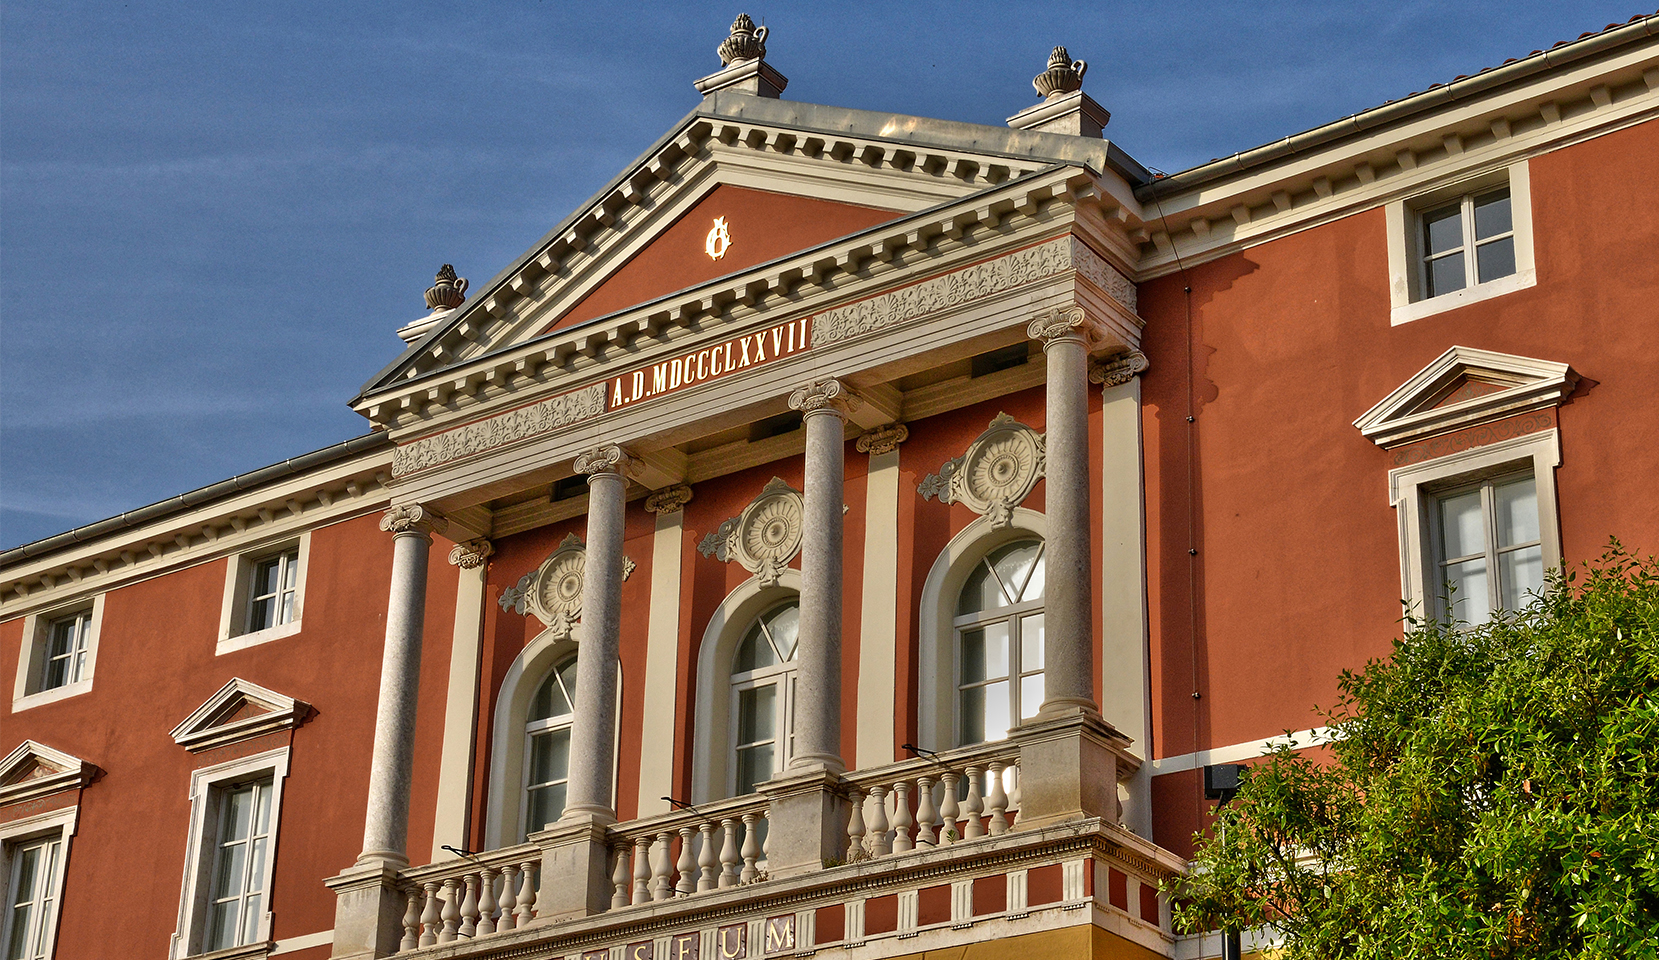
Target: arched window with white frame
x,y
998,632
763,697
547,746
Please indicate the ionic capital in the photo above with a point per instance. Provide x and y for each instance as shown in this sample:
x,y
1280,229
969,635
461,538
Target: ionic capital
x,y
607,458
883,439
1118,370
823,396
471,554
1062,325
669,500
412,518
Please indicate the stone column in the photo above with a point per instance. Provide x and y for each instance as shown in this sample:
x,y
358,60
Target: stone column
x,y
593,728
824,405
386,827
1068,654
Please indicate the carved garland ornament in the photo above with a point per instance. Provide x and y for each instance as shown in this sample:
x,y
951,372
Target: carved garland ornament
x,y
765,537
553,591
995,475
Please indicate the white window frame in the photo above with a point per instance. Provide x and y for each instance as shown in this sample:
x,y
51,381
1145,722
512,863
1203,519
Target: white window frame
x,y
1013,615
17,833
781,675
31,660
531,729
237,608
206,788
1414,490
1405,244
1491,551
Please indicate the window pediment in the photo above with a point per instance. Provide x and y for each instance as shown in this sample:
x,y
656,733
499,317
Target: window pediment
x,y
240,710
34,770
1464,387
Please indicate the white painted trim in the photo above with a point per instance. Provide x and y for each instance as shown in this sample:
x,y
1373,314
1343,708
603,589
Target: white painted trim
x,y
1405,415
878,650
62,822
72,773
450,819
200,731
198,861
1403,218
1409,488
32,652
936,678
322,938
714,669
662,666
1233,753
233,612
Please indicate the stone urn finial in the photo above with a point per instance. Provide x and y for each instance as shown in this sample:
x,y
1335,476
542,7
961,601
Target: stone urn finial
x,y
1062,76
447,291
747,42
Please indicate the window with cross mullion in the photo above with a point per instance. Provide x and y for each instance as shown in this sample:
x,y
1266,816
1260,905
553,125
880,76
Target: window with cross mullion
x,y
763,693
239,868
999,642
1469,241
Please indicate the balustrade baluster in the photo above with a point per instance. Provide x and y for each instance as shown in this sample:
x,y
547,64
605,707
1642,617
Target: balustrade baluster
x,y
751,849
469,908
431,916
948,811
509,898
411,921
855,827
452,910
974,806
526,910
880,839
1014,790
687,865
998,801
621,876
642,870
708,862
486,902
902,820
662,867
926,814
730,860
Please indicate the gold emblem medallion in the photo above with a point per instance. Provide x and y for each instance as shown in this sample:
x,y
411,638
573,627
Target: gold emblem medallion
x,y
718,241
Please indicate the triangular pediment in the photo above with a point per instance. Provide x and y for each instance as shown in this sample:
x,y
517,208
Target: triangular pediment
x,y
239,711
786,177
34,770
1465,387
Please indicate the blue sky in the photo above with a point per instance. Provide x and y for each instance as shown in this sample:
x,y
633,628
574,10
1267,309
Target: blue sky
x,y
213,216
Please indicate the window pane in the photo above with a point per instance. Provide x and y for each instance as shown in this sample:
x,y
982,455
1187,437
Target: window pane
x,y
1031,696
546,804
290,570
63,639
754,766
971,707
287,613
1495,259
1031,643
1443,229
549,700
260,615
1520,572
19,931
1034,587
28,865
1013,564
265,576
550,756
250,919
256,869
996,710
221,928
981,592
785,624
238,812
757,712
1517,504
56,674
1462,530
227,874
1492,215
1446,274
1466,585
754,652
262,818
985,653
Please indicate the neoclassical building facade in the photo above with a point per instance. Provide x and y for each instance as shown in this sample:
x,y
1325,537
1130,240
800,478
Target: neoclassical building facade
x,y
849,532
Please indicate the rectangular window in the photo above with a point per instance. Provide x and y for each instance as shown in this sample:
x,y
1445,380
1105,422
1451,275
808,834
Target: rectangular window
x,y
271,600
59,653
241,852
1490,548
264,595
66,650
235,813
1459,243
31,902
1467,242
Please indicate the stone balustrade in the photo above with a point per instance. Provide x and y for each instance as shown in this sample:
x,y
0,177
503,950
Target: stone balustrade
x,y
933,801
474,896
709,847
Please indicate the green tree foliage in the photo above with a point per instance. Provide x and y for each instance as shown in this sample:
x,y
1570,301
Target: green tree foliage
x,y
1493,792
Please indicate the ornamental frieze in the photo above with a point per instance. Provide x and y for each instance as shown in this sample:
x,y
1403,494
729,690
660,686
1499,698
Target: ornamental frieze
x,y
995,475
499,430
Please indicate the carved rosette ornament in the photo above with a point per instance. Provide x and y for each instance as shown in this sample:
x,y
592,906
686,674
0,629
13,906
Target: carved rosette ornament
x,y
669,500
883,439
552,592
608,458
471,554
1064,75
765,537
413,519
1118,370
996,473
747,42
823,395
447,291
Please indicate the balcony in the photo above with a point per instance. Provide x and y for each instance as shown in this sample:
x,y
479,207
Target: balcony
x,y
1013,838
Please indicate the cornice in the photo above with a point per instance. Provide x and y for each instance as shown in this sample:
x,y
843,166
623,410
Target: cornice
x,y
59,771
207,727
1409,413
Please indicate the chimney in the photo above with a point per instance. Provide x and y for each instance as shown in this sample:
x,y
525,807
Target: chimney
x,y
746,70
1065,107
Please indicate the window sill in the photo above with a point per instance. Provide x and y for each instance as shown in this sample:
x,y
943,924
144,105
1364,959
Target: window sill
x,y
246,952
1406,313
29,701
245,640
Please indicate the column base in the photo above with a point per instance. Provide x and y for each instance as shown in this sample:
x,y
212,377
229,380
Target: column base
x,y
368,911
575,868
1069,770
806,823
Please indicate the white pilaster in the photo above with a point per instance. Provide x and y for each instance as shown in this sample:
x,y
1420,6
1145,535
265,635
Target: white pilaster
x,y
878,622
662,666
461,705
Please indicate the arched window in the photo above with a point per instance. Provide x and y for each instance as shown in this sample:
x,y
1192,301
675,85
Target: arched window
x,y
547,747
999,642
763,697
